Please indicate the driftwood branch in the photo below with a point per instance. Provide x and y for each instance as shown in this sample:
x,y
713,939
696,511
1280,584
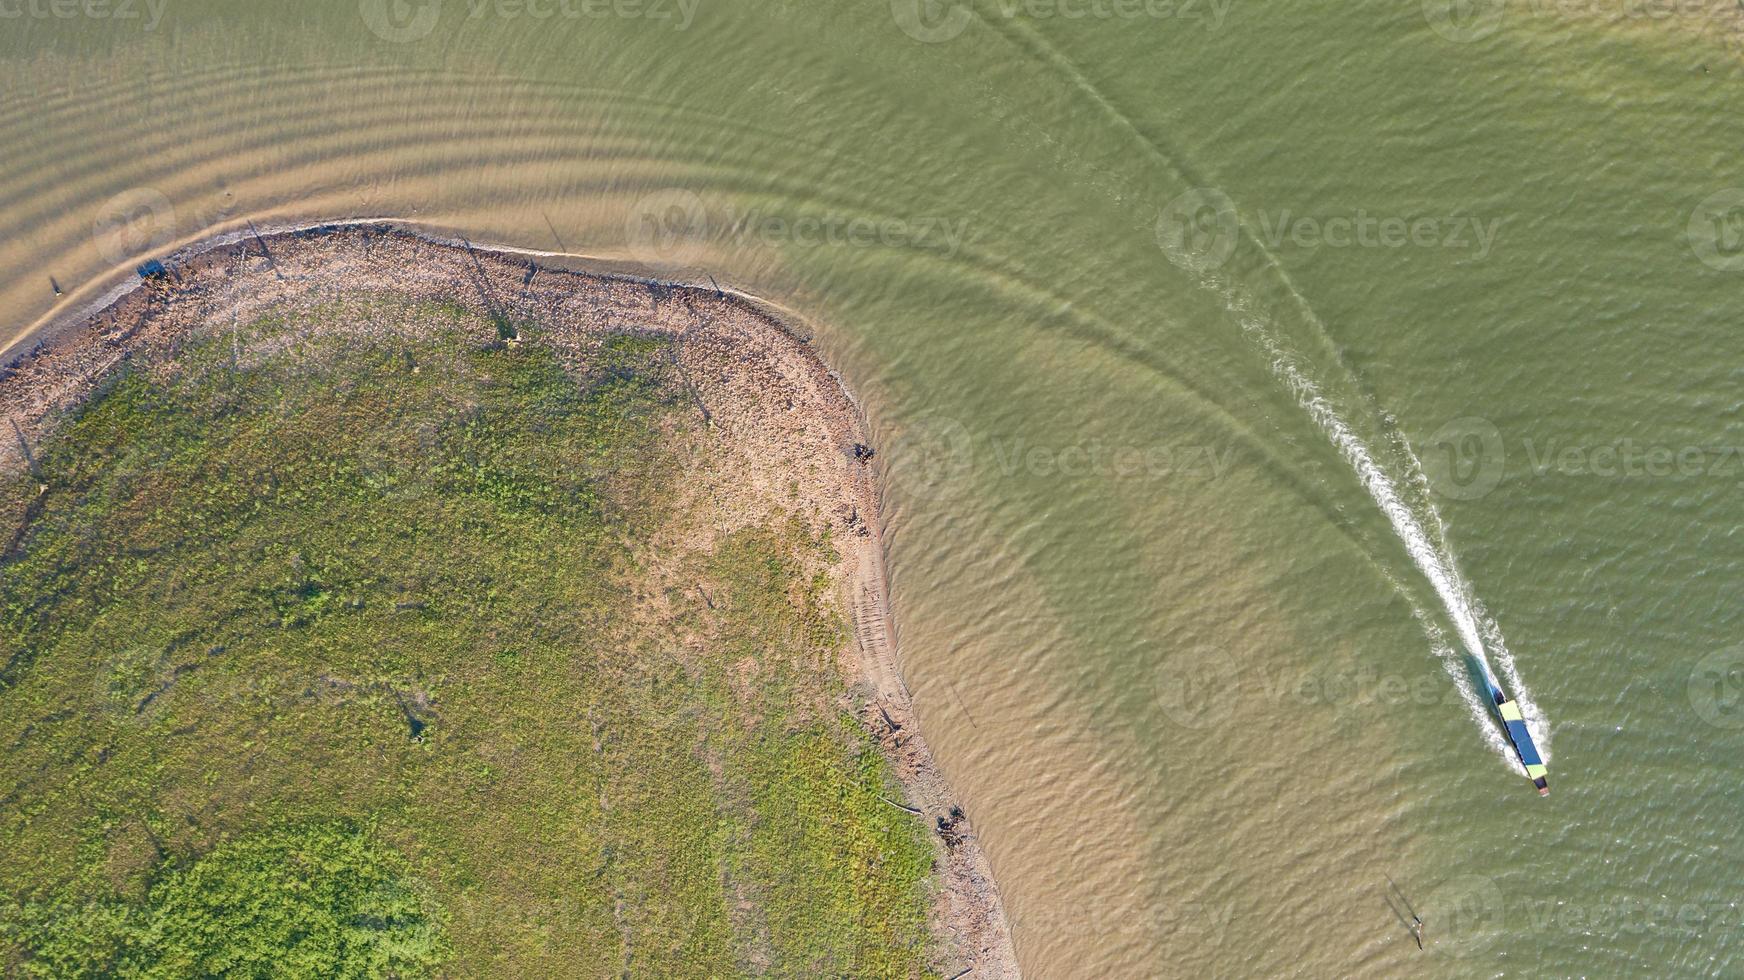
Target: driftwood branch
x,y
905,809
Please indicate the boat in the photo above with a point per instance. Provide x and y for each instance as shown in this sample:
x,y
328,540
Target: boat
x,y
1521,737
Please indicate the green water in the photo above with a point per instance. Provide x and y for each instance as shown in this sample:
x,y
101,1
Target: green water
x,y
1182,667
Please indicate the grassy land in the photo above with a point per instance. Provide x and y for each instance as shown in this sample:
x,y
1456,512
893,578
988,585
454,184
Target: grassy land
x,y
369,607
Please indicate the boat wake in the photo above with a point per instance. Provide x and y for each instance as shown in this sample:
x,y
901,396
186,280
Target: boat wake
x,y
1477,701
1418,526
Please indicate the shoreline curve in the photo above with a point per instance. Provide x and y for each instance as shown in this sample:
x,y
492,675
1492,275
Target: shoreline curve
x,y
58,365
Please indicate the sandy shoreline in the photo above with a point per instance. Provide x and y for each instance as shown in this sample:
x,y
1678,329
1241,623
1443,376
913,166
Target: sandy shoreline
x,y
756,381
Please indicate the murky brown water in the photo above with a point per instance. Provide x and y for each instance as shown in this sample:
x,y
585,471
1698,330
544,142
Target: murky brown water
x,y
1172,646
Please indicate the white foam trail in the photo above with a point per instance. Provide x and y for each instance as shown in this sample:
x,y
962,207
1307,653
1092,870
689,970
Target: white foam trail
x,y
1423,552
1479,634
1429,551
1476,702
1497,646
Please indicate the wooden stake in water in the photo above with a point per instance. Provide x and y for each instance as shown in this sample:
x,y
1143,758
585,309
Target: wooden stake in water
x,y
1416,923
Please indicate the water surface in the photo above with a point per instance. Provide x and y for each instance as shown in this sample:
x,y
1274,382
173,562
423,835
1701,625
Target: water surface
x,y
1130,300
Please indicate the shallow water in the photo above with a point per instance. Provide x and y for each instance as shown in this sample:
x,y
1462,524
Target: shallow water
x,y
1194,666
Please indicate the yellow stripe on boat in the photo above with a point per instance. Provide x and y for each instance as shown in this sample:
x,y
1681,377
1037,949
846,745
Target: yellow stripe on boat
x,y
1511,711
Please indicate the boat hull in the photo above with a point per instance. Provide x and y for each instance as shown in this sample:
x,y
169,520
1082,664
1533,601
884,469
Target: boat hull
x,y
1521,737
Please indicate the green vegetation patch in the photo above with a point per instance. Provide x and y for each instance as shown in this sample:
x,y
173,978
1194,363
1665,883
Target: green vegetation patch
x,y
292,582
315,901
